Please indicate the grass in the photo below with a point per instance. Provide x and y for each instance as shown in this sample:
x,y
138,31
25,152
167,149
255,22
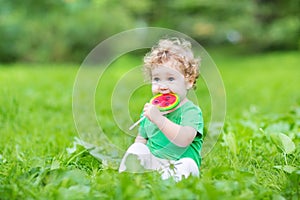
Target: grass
x,y
253,159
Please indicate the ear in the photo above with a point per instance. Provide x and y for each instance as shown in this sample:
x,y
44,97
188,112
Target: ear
x,y
189,84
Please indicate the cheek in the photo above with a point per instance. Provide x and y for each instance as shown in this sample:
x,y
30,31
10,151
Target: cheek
x,y
154,87
178,87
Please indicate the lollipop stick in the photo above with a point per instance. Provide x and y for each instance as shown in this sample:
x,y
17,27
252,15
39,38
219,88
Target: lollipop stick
x,y
136,123
141,119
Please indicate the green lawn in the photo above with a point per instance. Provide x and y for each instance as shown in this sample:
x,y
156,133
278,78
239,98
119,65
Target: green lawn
x,y
256,157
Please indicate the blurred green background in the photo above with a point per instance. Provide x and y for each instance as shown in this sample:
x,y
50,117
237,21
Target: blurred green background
x,y
254,43
66,30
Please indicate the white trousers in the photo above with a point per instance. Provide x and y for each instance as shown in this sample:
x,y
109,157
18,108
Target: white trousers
x,y
138,158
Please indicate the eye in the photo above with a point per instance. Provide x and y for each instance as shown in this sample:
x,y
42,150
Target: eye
x,y
171,79
155,79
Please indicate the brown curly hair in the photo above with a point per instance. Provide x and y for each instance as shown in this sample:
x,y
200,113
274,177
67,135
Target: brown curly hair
x,y
174,49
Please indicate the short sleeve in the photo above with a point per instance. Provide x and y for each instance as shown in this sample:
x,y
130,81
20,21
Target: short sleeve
x,y
193,117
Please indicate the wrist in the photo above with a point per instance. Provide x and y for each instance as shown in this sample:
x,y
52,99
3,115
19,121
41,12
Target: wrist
x,y
161,122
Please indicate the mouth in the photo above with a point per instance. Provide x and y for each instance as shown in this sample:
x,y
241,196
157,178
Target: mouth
x,y
165,91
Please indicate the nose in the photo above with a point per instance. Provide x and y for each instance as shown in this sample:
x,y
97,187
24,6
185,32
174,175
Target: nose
x,y
163,87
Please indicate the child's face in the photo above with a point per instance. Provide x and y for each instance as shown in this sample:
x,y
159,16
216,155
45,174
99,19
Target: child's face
x,y
166,79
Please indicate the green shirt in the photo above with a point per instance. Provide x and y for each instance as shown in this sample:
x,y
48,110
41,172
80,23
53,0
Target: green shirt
x,y
160,146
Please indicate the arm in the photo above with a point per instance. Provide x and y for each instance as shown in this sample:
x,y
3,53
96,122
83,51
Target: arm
x,y
181,136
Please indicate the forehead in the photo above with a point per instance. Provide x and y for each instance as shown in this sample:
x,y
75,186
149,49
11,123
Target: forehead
x,y
165,70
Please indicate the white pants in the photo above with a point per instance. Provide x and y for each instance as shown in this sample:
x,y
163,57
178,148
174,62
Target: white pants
x,y
138,158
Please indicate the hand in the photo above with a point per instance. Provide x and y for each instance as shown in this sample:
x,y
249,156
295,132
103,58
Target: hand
x,y
152,113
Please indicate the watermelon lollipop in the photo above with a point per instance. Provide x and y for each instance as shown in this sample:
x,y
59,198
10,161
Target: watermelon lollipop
x,y
163,102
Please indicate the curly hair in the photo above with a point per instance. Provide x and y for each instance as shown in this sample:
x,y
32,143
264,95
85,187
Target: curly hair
x,y
177,50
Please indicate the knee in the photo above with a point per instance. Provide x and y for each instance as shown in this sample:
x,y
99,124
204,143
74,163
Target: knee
x,y
187,166
183,168
134,157
138,148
